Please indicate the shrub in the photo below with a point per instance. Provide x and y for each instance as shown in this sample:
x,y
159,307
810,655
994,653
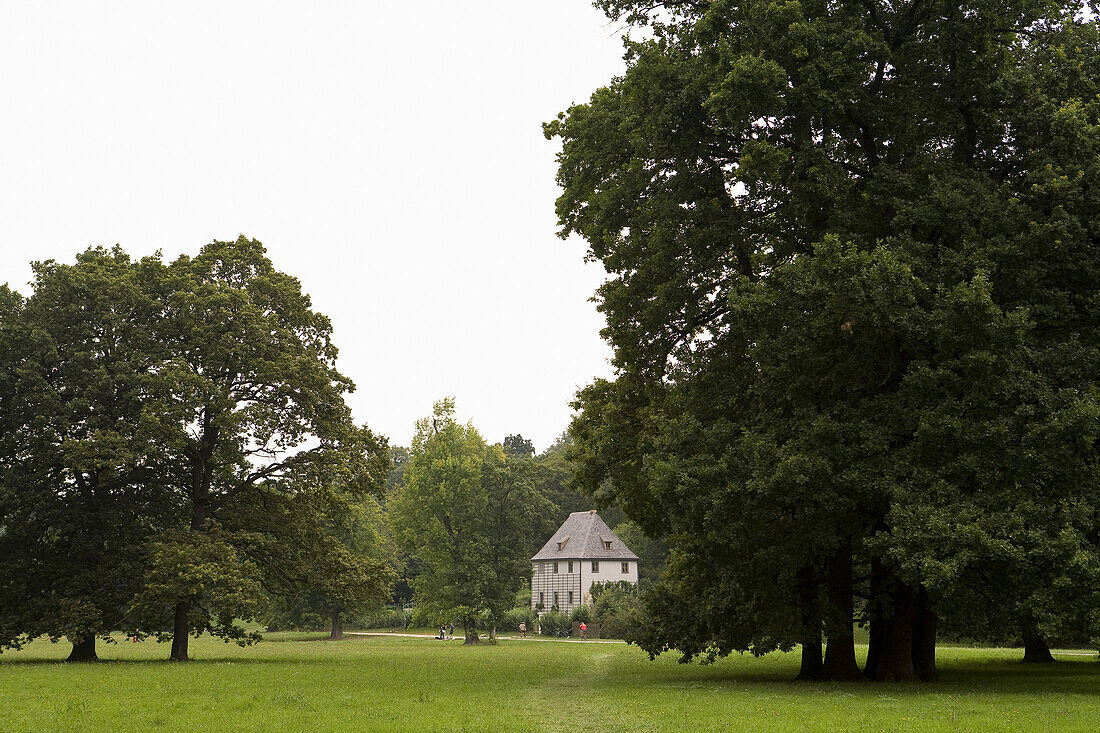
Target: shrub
x,y
513,618
612,586
555,623
617,609
387,618
423,616
581,614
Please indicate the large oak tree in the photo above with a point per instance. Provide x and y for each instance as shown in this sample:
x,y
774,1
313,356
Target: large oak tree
x,y
175,446
258,427
852,250
78,493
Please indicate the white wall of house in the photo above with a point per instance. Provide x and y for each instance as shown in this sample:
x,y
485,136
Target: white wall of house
x,y
576,577
608,571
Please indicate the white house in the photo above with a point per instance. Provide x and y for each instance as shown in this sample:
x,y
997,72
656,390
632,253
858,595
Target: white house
x,y
583,551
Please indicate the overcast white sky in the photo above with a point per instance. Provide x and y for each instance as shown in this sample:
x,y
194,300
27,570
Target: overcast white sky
x,y
388,154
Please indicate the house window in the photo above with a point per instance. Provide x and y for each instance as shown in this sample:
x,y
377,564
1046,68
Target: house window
x,y
626,568
570,598
541,598
570,566
555,599
555,568
607,544
595,566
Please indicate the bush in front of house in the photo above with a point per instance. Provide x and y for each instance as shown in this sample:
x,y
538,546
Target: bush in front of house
x,y
617,608
581,614
513,618
555,623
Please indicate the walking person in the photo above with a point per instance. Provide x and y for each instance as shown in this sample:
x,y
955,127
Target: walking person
x,y
584,630
523,629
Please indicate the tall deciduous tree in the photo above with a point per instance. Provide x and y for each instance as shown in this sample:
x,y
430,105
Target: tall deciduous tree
x,y
257,420
467,515
852,250
78,494
173,437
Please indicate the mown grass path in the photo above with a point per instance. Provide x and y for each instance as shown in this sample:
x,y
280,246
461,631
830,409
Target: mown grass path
x,y
414,684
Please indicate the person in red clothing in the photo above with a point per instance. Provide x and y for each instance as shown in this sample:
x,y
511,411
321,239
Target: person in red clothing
x,y
584,630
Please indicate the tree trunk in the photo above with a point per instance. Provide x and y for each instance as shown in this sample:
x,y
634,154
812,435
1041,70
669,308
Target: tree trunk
x,y
181,628
895,662
811,655
840,653
337,628
1036,650
875,625
83,651
470,632
811,626
924,639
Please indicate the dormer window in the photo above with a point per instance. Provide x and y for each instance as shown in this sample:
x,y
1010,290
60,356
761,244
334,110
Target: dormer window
x,y
561,545
607,544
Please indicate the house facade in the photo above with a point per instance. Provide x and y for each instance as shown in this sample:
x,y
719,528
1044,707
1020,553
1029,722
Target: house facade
x,y
583,551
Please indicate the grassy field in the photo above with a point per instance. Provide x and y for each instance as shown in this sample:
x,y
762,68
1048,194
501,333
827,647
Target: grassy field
x,y
395,684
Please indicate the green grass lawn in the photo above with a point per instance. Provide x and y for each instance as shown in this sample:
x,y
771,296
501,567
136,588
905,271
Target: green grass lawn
x,y
297,682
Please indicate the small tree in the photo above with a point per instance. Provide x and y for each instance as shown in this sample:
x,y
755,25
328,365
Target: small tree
x,y
338,560
466,515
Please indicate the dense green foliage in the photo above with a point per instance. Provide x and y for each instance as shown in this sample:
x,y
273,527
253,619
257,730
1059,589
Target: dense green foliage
x,y
853,266
466,514
513,618
617,608
346,584
80,415
175,446
554,623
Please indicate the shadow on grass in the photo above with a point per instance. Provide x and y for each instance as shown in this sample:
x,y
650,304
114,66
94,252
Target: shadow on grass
x,y
1000,677
158,662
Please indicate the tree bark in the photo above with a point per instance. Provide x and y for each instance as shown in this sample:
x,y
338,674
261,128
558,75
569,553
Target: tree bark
x,y
895,662
469,631
875,625
83,651
337,633
924,639
181,623
840,653
811,655
1036,650
181,629
811,625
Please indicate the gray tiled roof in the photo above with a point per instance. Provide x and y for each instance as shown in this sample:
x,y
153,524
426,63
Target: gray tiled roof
x,y
584,534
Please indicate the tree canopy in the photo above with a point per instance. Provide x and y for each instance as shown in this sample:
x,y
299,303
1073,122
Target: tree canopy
x,y
467,515
176,446
852,282
78,495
